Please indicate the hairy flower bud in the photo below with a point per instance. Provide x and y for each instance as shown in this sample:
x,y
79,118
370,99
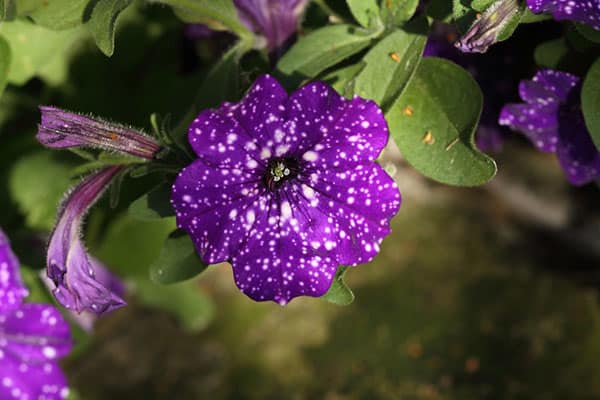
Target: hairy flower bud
x,y
485,30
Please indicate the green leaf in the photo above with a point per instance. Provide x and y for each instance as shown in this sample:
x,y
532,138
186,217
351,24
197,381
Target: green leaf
x,y
366,12
186,301
391,64
590,101
588,32
34,47
434,122
129,245
339,293
440,10
530,18
178,260
343,79
397,12
550,54
319,50
512,24
60,14
481,5
103,15
37,184
153,205
38,292
462,15
214,13
26,7
5,57
8,10
221,84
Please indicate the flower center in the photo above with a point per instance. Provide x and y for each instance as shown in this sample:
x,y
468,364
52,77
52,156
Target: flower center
x,y
279,170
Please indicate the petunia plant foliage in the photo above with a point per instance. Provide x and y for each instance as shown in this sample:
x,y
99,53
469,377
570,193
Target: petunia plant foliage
x,y
274,163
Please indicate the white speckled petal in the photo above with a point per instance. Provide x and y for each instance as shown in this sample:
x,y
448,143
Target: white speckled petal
x,y
361,203
584,11
290,250
35,333
338,131
537,122
558,82
12,290
20,381
211,204
260,111
221,141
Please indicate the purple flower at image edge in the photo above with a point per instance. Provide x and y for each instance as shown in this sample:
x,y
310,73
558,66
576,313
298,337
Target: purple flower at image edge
x,y
583,11
275,20
552,120
33,337
285,188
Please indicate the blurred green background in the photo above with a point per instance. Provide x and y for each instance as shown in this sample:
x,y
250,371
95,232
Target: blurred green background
x,y
486,293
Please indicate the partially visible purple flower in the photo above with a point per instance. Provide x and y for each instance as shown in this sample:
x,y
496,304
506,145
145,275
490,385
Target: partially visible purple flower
x,y
63,129
552,120
12,290
69,266
86,320
285,188
275,20
33,337
485,30
584,11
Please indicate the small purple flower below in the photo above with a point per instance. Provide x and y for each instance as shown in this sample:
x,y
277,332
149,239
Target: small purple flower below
x,y
552,120
285,187
584,11
33,337
275,20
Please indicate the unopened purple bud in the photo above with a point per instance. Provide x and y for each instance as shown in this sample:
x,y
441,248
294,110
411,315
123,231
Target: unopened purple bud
x,y
485,30
69,266
63,129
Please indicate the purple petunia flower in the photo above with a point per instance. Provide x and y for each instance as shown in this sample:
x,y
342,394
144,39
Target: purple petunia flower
x,y
584,11
63,129
552,120
70,267
285,188
32,339
275,20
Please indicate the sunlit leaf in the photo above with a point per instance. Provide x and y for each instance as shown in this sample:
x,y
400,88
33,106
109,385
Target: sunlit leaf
x,y
434,122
